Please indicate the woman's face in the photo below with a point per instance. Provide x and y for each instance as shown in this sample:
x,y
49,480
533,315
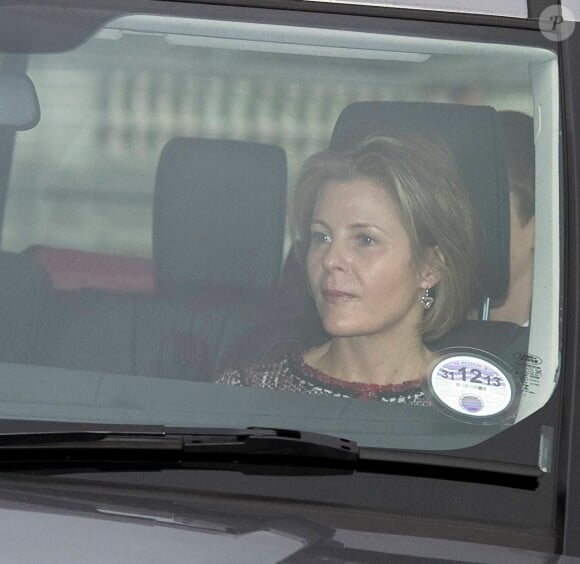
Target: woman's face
x,y
360,266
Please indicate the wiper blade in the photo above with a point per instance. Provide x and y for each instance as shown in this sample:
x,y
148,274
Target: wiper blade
x,y
280,442
451,467
254,450
253,441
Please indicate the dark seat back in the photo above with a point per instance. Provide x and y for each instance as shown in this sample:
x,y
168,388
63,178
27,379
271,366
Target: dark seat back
x,y
219,216
217,250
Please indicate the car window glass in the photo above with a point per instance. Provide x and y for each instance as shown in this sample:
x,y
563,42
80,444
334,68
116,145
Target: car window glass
x,y
147,224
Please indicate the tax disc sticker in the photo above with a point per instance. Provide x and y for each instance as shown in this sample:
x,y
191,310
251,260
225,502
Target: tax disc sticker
x,y
472,384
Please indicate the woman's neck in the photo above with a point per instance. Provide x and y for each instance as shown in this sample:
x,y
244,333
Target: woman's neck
x,y
371,359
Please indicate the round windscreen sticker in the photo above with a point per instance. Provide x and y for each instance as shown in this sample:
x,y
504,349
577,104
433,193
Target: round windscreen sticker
x,y
473,385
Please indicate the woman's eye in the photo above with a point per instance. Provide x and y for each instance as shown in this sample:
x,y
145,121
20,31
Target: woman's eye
x,y
318,238
366,240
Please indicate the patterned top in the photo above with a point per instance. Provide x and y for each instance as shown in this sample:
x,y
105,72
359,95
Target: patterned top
x,y
290,373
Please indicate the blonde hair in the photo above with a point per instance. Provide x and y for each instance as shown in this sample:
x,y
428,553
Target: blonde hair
x,y
434,208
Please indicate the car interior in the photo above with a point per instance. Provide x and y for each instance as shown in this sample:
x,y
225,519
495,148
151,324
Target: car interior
x,y
221,285
209,297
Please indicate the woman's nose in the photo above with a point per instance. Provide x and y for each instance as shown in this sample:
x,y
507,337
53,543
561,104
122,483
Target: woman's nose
x,y
334,258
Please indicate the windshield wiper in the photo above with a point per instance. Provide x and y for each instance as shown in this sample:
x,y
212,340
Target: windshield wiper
x,y
252,441
451,467
253,450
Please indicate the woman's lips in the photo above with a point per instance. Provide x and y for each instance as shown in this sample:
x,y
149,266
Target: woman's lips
x,y
333,297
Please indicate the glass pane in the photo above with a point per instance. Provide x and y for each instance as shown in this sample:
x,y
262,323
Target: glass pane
x,y
170,254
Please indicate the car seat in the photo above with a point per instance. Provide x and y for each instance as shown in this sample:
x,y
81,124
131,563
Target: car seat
x,y
217,250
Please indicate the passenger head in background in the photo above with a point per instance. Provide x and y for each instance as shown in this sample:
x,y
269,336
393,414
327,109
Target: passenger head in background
x,y
518,131
388,236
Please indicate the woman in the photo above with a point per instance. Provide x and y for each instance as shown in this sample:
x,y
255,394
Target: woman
x,y
387,234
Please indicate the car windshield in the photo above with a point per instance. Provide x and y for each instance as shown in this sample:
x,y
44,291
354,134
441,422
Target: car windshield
x,y
226,221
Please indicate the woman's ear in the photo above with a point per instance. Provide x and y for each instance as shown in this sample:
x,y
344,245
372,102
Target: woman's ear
x,y
431,271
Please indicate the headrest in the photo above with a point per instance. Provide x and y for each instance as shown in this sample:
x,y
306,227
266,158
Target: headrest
x,y
219,215
473,135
